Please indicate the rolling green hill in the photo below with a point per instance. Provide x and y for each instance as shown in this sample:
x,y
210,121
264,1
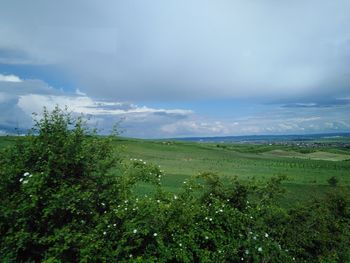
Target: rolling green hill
x,y
307,173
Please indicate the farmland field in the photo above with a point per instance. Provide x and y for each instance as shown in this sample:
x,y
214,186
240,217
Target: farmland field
x,y
307,172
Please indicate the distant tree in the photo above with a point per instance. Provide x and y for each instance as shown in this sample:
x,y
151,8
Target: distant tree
x,y
332,181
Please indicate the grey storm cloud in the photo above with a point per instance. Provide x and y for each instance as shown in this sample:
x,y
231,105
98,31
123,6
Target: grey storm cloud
x,y
168,50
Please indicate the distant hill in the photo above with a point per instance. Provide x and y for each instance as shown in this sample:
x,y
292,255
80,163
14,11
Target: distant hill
x,y
270,138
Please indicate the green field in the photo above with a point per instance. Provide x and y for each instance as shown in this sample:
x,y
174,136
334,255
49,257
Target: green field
x,y
307,173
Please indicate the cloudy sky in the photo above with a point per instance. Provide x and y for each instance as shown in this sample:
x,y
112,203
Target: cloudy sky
x,y
179,67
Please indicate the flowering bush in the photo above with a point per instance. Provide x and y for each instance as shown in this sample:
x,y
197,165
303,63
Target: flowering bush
x,y
66,196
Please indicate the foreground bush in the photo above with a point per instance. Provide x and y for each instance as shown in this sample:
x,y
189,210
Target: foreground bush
x,y
66,196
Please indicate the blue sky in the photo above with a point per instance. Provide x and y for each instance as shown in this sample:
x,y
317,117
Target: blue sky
x,y
179,68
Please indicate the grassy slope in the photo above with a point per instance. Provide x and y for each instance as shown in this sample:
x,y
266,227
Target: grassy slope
x,y
307,174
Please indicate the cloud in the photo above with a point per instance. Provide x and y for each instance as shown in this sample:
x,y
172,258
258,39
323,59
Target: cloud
x,y
188,49
278,66
19,100
324,103
272,121
194,127
79,93
88,106
9,78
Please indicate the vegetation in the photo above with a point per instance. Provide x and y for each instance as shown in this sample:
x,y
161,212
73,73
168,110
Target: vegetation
x,y
333,181
306,177
68,195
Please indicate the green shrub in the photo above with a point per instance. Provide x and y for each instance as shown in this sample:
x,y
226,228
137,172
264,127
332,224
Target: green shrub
x,y
332,181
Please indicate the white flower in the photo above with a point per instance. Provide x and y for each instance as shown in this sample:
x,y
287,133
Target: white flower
x,y
21,179
103,204
210,219
155,234
247,251
130,256
26,174
259,249
206,237
134,231
175,197
25,181
266,235
105,233
158,201
114,224
30,175
180,245
254,237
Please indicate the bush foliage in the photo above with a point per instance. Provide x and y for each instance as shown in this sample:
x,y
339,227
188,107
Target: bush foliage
x,y
67,196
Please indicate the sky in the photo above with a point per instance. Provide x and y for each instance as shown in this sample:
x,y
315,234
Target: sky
x,y
165,69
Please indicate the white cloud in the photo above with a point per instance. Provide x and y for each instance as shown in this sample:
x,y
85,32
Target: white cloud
x,y
19,100
196,127
79,93
9,78
89,106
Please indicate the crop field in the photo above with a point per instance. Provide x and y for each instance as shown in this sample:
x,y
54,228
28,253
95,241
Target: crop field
x,y
307,173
